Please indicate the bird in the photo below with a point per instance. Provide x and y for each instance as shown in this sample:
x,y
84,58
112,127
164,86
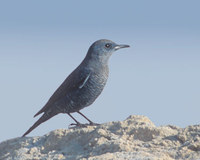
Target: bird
x,y
81,88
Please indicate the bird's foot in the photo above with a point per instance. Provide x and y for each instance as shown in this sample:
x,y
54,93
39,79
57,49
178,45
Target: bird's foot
x,y
77,125
72,125
93,124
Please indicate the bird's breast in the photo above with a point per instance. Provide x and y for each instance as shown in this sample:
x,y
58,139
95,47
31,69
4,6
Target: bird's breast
x,y
95,84
97,81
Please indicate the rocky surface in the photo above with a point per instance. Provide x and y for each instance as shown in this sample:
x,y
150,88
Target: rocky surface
x,y
134,138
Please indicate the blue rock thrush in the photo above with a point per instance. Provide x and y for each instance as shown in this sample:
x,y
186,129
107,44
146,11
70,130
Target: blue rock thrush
x,y
81,88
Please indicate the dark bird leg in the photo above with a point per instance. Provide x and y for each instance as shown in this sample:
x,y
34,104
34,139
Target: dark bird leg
x,y
78,124
91,123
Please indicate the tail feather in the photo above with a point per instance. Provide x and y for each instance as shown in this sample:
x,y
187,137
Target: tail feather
x,y
40,111
42,119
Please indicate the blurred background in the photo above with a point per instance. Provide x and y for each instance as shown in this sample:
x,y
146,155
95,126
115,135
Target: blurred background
x,y
41,42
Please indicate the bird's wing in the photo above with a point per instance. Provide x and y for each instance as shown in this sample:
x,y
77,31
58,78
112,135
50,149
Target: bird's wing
x,y
76,80
84,82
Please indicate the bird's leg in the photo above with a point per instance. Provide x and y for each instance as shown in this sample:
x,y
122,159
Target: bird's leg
x,y
91,123
77,122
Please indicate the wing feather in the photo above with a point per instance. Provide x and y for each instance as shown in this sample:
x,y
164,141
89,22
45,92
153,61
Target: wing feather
x,y
76,80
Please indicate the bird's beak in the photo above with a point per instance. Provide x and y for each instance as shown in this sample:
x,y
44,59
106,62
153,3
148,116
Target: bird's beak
x,y
121,46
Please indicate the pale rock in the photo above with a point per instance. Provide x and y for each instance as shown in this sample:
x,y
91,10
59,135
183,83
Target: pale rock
x,y
134,138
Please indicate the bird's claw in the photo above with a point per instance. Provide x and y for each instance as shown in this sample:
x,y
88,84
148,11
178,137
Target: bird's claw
x,y
93,124
78,125
82,125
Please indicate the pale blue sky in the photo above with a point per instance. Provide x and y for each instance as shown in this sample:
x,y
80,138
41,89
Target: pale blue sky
x,y
41,42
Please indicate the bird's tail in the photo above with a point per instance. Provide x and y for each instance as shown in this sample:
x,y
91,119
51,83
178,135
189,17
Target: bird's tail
x,y
42,119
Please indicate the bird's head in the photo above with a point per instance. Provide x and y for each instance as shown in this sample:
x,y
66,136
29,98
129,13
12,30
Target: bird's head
x,y
102,49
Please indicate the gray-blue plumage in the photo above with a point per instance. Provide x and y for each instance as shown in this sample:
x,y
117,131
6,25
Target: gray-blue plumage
x,y
81,88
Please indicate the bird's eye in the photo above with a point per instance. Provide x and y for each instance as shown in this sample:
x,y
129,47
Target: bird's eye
x,y
107,45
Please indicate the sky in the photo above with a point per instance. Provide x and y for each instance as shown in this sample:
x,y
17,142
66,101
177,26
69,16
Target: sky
x,y
41,42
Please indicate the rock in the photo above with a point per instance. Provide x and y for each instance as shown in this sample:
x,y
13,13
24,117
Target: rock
x,y
134,138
